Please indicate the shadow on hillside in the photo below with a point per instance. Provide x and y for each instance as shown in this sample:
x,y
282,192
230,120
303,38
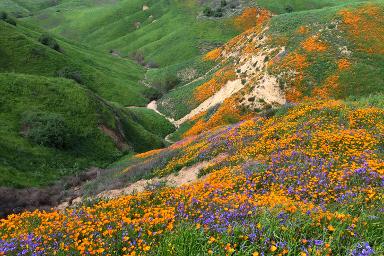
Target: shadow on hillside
x,y
14,200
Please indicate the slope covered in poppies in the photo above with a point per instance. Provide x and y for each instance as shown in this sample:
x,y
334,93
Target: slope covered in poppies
x,y
325,53
306,181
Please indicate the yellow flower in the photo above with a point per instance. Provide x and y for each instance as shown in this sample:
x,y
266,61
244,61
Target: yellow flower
x,y
273,248
331,228
255,254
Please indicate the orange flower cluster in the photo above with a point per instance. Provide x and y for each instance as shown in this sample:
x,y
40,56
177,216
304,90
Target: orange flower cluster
x,y
296,63
251,17
364,25
227,113
212,55
302,30
343,64
219,79
312,44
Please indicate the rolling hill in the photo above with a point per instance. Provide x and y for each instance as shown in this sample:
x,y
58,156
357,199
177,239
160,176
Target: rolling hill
x,y
78,84
263,131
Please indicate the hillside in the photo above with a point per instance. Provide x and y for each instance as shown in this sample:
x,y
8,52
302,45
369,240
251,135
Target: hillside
x,y
96,133
318,54
151,32
21,52
280,189
192,127
34,77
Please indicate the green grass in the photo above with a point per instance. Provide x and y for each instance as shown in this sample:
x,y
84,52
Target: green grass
x,y
152,121
113,78
24,163
364,77
284,6
177,135
170,33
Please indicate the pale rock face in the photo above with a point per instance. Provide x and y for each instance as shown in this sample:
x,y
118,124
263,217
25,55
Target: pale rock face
x,y
256,87
145,8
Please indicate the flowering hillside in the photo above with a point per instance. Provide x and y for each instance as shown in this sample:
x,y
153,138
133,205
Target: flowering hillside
x,y
306,181
331,53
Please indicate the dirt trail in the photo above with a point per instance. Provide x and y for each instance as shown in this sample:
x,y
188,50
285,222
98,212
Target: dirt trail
x,y
184,176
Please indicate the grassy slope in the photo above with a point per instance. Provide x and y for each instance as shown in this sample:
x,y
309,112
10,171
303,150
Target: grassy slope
x,y
282,6
27,164
171,37
113,78
151,121
363,77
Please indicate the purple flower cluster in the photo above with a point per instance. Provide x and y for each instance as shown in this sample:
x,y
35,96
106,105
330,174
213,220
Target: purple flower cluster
x,y
23,246
362,249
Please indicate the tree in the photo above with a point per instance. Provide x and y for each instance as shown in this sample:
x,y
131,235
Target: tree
x,y
46,129
49,41
208,11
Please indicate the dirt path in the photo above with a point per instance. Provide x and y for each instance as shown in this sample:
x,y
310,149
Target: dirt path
x,y
184,176
153,106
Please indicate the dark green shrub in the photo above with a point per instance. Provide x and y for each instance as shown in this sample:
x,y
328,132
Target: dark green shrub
x,y
223,3
208,11
11,21
47,129
49,41
288,9
218,12
5,17
70,73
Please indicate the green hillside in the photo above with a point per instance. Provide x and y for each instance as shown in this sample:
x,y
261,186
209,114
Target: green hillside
x,y
96,133
192,127
169,35
113,78
284,6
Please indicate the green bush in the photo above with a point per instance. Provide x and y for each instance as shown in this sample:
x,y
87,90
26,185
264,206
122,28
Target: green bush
x,y
288,8
49,41
218,12
208,11
70,73
5,17
47,129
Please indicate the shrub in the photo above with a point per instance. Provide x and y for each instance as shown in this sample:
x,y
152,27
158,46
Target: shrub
x,y
5,17
166,84
208,11
218,12
47,129
49,41
70,73
288,9
223,3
